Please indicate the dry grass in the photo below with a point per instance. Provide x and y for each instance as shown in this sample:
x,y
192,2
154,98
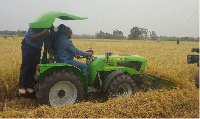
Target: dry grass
x,y
166,60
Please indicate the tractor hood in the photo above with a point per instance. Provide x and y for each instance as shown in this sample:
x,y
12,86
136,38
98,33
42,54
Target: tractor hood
x,y
47,19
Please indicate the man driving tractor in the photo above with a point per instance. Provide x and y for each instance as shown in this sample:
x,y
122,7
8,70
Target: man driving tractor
x,y
65,49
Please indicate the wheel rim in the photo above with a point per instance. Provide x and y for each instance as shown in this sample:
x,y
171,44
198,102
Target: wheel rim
x,y
63,92
124,90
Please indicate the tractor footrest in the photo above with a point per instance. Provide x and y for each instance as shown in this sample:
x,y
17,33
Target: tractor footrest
x,y
93,90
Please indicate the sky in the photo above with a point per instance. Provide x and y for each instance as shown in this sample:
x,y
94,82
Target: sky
x,y
178,18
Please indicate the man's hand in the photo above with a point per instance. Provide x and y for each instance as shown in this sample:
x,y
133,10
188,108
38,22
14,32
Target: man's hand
x,y
77,56
45,31
39,35
90,53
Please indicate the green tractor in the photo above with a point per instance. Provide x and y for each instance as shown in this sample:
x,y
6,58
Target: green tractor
x,y
61,83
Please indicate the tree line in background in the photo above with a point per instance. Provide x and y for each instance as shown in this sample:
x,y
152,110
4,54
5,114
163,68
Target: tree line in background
x,y
136,33
10,33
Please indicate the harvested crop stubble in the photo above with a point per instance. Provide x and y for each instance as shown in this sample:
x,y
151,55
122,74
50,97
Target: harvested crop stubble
x,y
166,60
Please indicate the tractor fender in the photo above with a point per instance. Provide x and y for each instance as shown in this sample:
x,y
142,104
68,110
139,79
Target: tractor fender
x,y
74,70
109,78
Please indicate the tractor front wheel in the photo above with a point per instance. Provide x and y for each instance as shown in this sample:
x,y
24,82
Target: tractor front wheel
x,y
121,85
59,89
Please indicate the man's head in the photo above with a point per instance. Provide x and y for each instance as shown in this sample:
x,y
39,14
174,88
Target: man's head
x,y
62,29
67,32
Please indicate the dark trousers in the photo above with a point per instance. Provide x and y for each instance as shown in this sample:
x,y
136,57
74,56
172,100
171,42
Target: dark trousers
x,y
30,59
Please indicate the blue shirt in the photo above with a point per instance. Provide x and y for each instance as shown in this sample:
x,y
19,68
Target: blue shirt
x,y
37,44
65,49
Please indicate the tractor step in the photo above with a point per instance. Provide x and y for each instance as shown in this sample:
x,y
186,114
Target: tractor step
x,y
93,90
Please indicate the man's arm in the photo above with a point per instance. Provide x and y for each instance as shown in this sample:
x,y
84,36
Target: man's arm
x,y
76,51
39,35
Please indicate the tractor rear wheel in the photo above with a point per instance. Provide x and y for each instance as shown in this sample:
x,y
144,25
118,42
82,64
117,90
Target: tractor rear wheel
x,y
121,85
59,89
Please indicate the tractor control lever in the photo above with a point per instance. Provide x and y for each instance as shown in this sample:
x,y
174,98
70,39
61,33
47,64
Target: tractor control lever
x,y
107,54
90,50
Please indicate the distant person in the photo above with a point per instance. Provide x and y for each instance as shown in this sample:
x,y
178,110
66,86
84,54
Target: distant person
x,y
13,36
178,41
65,50
5,36
158,40
31,51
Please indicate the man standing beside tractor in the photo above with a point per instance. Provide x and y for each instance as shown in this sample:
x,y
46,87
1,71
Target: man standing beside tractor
x,y
31,51
65,49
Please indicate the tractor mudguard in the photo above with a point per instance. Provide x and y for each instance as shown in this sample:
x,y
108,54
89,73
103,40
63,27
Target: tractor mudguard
x,y
77,72
109,78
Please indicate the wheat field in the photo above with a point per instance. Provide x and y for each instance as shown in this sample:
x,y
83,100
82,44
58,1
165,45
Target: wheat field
x,y
165,60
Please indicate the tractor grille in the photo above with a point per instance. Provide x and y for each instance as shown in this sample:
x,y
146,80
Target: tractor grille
x,y
131,64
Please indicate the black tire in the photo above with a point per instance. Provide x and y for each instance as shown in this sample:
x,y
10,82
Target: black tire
x,y
59,89
121,85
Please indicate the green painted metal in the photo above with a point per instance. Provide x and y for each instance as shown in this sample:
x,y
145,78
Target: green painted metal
x,y
48,69
158,82
101,64
46,20
98,65
44,67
